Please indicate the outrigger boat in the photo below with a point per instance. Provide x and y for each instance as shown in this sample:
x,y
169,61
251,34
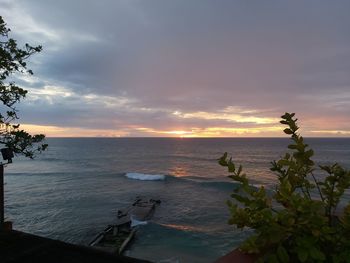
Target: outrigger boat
x,y
115,238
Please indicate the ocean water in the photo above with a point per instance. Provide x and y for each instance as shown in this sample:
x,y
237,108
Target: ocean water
x,y
72,191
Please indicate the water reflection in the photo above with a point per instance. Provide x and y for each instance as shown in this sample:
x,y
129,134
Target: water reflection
x,y
179,170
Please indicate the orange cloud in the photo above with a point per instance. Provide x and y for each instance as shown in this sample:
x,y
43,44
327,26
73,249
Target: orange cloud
x,y
55,131
228,114
215,132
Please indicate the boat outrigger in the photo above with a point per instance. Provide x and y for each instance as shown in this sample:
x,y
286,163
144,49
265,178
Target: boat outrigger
x,y
115,238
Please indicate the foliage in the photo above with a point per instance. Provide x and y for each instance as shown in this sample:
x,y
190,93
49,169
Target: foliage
x,y
13,60
297,222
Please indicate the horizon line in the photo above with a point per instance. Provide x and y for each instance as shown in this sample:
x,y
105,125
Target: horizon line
x,y
169,137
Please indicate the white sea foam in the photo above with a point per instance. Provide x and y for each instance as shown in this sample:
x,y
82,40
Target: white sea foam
x,y
135,222
145,177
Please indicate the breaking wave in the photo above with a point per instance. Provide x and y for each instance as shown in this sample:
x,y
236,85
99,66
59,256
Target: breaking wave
x,y
145,177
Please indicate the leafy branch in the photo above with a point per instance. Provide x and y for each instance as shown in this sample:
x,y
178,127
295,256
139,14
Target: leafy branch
x,y
13,60
302,225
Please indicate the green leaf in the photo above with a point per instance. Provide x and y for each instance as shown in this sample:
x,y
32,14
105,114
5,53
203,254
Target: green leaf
x,y
241,199
292,146
239,170
316,254
222,159
282,254
302,254
288,131
309,153
231,166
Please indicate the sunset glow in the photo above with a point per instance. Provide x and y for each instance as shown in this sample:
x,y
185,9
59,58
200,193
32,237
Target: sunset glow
x,y
227,117
222,70
55,131
195,132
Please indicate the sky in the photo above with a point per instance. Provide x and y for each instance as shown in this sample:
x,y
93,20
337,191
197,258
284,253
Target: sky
x,y
183,68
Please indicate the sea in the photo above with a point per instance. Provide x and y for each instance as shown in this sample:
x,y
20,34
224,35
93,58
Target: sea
x,y
72,191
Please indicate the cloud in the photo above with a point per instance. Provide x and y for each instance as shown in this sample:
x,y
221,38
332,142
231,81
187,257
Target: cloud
x,y
129,65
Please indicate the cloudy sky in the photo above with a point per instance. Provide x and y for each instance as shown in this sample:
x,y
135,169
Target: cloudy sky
x,y
184,67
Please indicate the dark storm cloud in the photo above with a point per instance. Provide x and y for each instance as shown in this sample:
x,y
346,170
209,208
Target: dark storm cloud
x,y
188,56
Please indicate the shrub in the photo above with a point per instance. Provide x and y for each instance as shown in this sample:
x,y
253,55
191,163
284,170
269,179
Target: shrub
x,y
297,221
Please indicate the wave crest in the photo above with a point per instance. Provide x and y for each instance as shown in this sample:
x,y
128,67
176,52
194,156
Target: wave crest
x,y
145,177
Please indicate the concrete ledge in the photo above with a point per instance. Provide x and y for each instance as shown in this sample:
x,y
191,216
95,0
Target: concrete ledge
x,y
18,247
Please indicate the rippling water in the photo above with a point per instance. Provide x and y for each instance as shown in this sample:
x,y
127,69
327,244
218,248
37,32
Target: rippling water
x,y
72,191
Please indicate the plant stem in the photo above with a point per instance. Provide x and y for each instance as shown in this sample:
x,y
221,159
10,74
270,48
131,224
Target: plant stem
x,y
330,203
318,187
